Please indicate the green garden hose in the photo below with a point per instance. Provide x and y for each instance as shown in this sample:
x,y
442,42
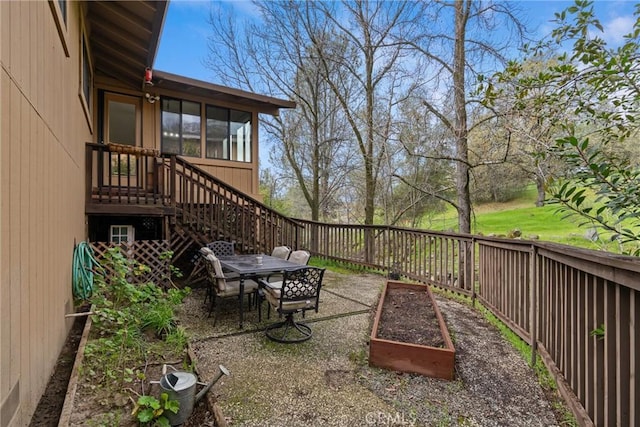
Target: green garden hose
x,y
83,263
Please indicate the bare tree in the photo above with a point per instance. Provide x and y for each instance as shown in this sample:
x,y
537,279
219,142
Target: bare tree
x,y
461,40
530,126
370,31
273,56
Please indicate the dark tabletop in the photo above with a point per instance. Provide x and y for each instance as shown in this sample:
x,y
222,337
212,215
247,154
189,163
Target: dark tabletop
x,y
247,264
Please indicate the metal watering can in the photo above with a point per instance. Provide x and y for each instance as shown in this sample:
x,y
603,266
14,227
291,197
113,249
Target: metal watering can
x,y
181,386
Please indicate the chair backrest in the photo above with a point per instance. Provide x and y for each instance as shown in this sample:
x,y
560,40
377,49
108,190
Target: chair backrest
x,y
300,257
302,284
215,273
221,248
281,252
204,251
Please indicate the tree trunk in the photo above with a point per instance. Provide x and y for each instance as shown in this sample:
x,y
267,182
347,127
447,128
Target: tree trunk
x,y
541,191
461,131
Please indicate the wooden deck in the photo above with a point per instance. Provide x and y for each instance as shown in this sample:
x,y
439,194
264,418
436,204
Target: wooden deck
x,y
128,201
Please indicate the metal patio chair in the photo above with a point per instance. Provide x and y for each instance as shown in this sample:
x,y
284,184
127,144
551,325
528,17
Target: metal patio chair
x,y
299,291
223,287
222,248
281,252
218,248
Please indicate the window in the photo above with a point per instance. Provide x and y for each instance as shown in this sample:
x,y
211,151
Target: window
x,y
122,118
59,11
121,234
86,78
228,134
240,136
122,121
63,10
181,127
217,133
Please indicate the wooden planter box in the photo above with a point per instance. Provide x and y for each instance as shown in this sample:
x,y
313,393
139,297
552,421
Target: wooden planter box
x,y
407,357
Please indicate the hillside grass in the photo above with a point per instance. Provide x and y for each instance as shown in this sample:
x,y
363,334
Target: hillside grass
x,y
499,219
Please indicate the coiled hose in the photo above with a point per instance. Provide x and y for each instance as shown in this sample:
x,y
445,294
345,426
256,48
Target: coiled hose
x,y
83,263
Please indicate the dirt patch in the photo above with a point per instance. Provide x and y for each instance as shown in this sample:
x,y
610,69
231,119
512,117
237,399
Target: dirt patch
x,y
93,404
48,410
100,406
408,316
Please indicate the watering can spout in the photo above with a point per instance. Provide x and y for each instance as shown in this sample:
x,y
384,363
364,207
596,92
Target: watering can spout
x,y
204,391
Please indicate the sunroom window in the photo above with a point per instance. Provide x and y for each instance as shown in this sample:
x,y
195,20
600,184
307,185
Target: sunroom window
x,y
226,132
181,127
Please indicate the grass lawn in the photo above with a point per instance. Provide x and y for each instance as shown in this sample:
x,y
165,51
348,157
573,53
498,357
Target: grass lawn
x,y
521,213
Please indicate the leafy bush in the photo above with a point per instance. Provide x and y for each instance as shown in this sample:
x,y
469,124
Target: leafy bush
x,y
123,312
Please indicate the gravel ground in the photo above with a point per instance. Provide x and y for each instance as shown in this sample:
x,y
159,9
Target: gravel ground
x,y
326,381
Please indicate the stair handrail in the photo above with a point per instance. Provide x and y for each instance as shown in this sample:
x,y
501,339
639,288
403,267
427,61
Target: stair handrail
x,y
202,202
231,189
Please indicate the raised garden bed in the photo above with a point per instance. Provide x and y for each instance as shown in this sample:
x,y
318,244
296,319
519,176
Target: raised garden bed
x,y
80,404
409,333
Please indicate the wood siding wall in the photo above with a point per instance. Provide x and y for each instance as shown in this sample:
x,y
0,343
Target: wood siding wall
x,y
241,175
43,129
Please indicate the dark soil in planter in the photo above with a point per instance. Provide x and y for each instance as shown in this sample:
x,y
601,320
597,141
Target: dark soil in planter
x,y
48,411
49,408
408,316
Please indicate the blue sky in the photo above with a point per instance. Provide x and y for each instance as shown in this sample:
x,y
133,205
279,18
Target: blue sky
x,y
183,44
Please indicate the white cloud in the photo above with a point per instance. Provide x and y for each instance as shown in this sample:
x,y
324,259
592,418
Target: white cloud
x,y
617,28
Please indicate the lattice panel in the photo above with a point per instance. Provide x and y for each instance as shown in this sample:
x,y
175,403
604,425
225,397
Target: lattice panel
x,y
147,252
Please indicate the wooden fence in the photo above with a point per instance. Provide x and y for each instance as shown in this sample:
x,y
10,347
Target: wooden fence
x,y
146,252
579,309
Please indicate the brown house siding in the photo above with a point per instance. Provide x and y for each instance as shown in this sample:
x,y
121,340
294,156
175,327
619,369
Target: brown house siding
x,y
243,176
43,129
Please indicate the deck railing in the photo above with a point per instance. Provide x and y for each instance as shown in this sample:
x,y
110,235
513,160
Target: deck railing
x,y
579,309
210,206
207,207
119,178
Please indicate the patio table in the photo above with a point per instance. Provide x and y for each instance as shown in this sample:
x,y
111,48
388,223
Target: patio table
x,y
247,267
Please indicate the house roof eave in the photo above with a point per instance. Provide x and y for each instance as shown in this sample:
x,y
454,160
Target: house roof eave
x,y
124,37
264,104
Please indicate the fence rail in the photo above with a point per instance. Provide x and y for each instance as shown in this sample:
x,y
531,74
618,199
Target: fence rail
x,y
221,212
579,309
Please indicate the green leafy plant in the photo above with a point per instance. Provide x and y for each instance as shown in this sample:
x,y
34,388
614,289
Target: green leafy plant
x,y
151,411
600,85
173,270
598,332
177,338
160,319
119,345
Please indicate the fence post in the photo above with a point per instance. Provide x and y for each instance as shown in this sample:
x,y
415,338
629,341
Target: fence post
x,y
473,271
533,303
172,183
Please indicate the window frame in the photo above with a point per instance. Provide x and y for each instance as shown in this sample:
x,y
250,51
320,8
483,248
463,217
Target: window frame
x,y
86,61
130,233
248,153
226,145
203,107
61,18
181,114
124,99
